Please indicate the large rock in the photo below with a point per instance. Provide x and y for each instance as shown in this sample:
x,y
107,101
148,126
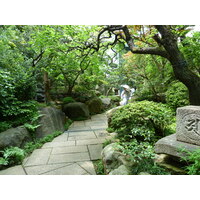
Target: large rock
x,y
113,159
76,110
14,137
188,124
95,105
121,170
52,120
106,102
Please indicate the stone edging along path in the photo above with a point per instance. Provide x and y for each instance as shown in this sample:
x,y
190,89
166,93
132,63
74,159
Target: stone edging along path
x,y
71,153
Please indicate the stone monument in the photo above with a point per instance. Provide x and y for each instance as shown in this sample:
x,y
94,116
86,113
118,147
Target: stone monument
x,y
187,134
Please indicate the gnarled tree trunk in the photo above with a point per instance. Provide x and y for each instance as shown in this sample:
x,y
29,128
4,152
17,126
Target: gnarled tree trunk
x,y
179,64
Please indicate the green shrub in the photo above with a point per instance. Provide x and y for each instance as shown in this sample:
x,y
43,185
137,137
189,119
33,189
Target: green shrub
x,y
67,100
143,120
21,112
33,124
142,155
25,86
99,168
4,126
68,123
15,106
193,161
13,155
3,162
177,95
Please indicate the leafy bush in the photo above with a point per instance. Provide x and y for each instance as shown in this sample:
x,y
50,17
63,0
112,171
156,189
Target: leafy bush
x,y
143,120
33,124
20,112
99,168
13,155
13,108
68,123
4,126
142,154
177,95
25,86
67,100
193,161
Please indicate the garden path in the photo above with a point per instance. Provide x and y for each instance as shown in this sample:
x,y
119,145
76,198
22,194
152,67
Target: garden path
x,y
71,153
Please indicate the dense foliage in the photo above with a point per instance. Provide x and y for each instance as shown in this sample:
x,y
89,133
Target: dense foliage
x,y
139,126
143,120
177,95
192,158
15,109
142,155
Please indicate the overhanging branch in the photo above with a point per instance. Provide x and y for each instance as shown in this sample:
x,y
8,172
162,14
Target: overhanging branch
x,y
150,50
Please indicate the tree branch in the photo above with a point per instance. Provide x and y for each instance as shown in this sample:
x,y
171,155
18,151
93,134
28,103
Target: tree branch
x,y
38,58
150,50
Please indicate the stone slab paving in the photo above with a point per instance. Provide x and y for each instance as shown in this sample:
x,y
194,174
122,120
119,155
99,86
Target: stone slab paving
x,y
16,170
73,169
95,151
72,149
71,153
41,169
69,157
38,157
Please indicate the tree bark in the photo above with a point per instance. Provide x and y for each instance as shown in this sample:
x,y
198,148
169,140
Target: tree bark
x,y
179,64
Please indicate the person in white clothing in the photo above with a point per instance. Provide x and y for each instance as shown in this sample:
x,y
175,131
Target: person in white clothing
x,y
125,95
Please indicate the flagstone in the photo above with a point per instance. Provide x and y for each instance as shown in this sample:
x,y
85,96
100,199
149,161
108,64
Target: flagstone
x,y
16,170
95,151
71,149
88,166
73,169
71,157
38,157
40,169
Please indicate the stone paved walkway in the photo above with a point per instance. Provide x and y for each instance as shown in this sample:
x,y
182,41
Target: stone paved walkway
x,y
71,153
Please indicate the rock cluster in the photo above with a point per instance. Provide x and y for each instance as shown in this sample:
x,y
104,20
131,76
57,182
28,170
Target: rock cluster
x,y
115,163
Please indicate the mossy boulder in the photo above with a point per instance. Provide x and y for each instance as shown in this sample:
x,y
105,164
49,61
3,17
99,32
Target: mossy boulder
x,y
95,105
16,137
76,110
52,120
